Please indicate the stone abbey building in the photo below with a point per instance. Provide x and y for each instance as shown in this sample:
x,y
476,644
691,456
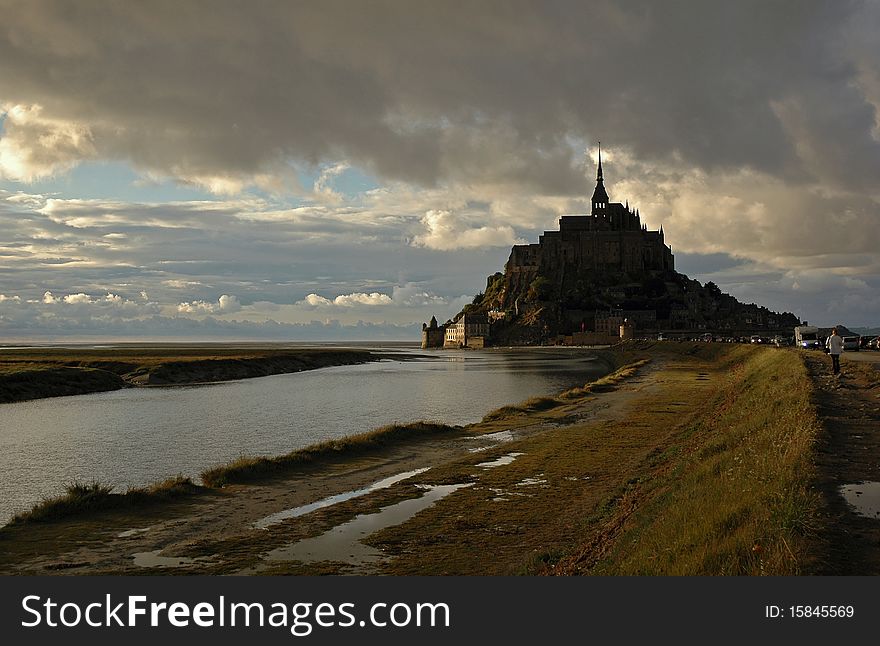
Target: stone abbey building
x,y
599,274
611,239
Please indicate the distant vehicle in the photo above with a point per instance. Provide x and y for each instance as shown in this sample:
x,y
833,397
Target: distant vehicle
x,y
660,336
706,338
851,343
868,342
756,338
874,343
807,336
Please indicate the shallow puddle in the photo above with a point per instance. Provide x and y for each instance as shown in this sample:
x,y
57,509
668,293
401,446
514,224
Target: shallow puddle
x,y
274,519
152,559
498,437
132,532
343,542
864,497
500,462
531,482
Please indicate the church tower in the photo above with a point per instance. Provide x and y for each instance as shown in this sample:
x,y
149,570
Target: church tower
x,y
600,197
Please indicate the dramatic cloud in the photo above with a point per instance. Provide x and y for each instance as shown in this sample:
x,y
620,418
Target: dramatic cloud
x,y
35,146
203,94
750,130
445,231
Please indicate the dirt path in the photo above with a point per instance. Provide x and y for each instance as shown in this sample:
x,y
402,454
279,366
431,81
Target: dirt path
x,y
848,454
217,534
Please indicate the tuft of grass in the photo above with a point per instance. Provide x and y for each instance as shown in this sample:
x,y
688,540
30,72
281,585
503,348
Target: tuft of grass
x,y
248,469
606,383
535,404
85,497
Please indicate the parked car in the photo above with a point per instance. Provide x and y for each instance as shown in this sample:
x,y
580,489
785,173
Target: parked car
x,y
851,343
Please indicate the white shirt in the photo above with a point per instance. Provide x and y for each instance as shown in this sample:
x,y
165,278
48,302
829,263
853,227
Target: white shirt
x,y
834,344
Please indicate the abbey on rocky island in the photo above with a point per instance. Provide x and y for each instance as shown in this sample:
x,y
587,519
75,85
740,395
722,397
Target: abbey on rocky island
x,y
601,276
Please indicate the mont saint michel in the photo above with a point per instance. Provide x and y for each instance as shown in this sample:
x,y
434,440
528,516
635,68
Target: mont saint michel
x,y
599,271
351,288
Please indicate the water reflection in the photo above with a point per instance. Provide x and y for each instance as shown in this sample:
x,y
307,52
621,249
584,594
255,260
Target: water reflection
x,y
863,497
343,542
134,437
296,512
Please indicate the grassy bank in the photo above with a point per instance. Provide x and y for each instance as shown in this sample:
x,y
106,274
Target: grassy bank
x,y
535,404
37,382
51,372
249,469
81,498
705,469
733,494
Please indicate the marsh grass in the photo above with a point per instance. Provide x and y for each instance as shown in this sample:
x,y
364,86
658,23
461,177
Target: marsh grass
x,y
737,499
606,383
535,404
82,497
249,469
710,473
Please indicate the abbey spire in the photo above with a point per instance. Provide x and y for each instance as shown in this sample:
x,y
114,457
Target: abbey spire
x,y
600,197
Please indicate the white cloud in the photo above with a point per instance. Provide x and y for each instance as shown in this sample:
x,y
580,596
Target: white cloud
x,y
75,310
410,295
177,283
197,307
36,146
226,304
374,299
413,295
445,231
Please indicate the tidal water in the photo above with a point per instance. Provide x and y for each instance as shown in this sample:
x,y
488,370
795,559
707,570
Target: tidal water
x,y
137,436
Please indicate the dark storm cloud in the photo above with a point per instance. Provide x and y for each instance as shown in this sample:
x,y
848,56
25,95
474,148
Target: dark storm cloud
x,y
749,129
428,92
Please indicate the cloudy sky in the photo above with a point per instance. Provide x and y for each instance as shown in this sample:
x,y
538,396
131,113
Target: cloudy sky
x,y
346,169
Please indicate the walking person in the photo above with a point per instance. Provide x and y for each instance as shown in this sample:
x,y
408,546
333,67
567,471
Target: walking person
x,y
835,347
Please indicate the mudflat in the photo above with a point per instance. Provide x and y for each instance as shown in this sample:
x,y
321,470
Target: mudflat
x,y
32,373
691,459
